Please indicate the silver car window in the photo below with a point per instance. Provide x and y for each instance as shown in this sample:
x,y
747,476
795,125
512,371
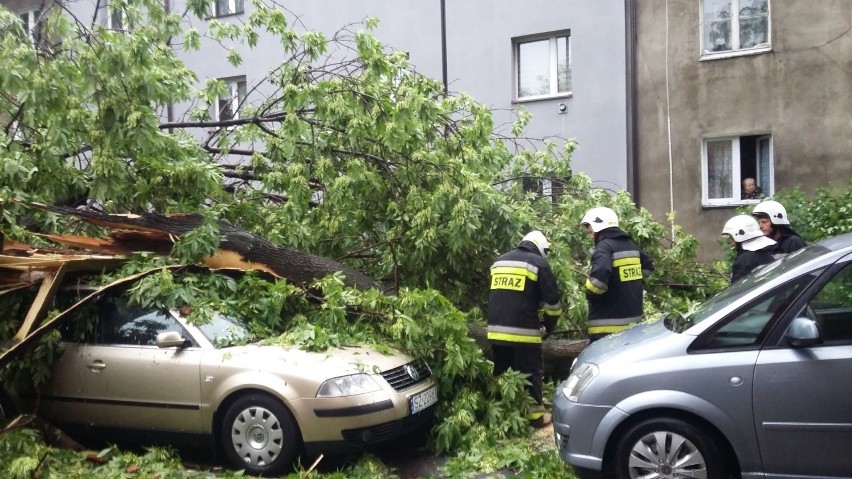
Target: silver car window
x,y
831,308
746,285
749,325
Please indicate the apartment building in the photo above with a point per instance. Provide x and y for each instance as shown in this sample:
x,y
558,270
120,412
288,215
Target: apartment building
x,y
736,89
564,62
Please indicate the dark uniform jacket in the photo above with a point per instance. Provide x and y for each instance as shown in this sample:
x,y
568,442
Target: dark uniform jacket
x,y
614,285
747,261
521,284
788,242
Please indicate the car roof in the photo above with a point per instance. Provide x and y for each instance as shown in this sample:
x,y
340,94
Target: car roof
x,y
837,243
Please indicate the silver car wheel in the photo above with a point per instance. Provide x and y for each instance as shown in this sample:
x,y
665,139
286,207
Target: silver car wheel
x,y
666,455
257,436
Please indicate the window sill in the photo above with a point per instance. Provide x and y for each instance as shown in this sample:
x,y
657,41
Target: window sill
x,y
530,99
729,203
217,17
735,53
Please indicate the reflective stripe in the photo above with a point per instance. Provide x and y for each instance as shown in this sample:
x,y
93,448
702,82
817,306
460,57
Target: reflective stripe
x,y
493,328
625,254
608,329
516,264
625,261
615,321
514,338
553,309
514,270
595,286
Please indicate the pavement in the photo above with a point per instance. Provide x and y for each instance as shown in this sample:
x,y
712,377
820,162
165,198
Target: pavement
x,y
410,462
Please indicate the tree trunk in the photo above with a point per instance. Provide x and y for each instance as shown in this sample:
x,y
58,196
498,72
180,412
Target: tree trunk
x,y
558,353
239,248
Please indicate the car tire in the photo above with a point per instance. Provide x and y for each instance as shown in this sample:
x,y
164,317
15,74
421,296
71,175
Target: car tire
x,y
259,435
667,447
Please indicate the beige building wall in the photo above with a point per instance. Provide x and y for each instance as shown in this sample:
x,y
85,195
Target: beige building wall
x,y
799,92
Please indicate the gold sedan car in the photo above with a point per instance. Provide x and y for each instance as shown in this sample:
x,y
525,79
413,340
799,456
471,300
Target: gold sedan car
x,y
151,372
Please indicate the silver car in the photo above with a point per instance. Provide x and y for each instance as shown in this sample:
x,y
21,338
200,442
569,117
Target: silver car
x,y
755,382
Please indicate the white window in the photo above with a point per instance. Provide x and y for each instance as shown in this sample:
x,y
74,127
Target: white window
x,y
227,106
542,66
30,22
113,16
727,162
734,26
222,8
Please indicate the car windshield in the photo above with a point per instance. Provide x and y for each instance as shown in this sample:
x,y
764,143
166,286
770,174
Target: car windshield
x,y
679,322
223,331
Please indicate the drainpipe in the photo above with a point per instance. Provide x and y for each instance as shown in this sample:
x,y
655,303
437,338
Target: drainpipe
x,y
170,108
669,129
630,71
444,44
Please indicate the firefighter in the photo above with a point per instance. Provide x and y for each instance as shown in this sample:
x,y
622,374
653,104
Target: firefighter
x,y
752,247
614,286
775,224
521,284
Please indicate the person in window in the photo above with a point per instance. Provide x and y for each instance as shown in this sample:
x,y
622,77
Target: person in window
x,y
521,284
614,286
750,190
775,223
752,247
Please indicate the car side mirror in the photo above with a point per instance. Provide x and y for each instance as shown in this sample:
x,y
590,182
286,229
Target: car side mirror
x,y
803,333
170,339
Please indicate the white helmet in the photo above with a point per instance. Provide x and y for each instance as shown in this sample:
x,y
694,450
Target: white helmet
x,y
774,210
745,230
537,238
600,218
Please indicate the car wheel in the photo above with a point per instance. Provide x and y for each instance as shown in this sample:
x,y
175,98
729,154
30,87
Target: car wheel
x,y
667,448
259,435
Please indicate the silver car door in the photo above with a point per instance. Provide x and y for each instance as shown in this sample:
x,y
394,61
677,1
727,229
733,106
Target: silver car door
x,y
801,396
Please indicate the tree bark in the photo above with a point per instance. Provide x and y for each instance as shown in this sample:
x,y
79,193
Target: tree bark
x,y
558,353
239,248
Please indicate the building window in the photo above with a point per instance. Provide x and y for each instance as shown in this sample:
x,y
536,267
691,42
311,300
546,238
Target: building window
x,y
542,66
734,26
222,8
727,162
112,15
227,106
30,22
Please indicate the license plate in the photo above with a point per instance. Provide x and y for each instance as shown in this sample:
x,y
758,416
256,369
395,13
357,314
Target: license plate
x,y
421,401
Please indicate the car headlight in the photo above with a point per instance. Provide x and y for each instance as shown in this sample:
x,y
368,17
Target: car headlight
x,y
580,377
348,386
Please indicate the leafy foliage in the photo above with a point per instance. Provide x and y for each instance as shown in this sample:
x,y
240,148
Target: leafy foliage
x,y
827,213
352,156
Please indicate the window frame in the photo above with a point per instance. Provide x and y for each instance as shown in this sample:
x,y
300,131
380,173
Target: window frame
x,y
233,85
735,50
31,22
736,170
552,38
232,8
114,16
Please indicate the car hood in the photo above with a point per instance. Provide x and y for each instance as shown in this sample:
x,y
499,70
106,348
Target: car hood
x,y
627,344
334,362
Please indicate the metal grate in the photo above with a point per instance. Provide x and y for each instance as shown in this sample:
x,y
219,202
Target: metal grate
x,y
400,378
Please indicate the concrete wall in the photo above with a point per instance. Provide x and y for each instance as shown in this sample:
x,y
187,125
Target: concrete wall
x,y
800,92
479,61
